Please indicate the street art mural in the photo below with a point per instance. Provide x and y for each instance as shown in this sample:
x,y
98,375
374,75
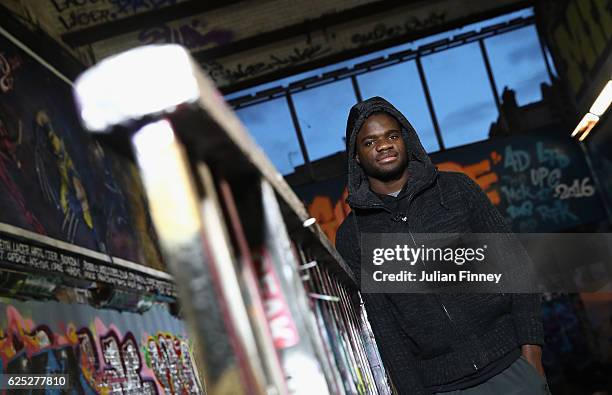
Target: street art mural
x,y
538,183
96,349
578,34
54,179
65,191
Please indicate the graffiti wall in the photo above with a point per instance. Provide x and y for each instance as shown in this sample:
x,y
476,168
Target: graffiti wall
x,y
75,227
539,183
101,351
579,35
225,38
54,179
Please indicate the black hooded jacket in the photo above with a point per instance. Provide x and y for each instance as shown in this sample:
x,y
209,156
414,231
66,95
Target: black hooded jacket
x,y
433,342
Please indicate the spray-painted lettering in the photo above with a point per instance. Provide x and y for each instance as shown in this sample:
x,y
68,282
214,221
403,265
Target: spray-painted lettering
x,y
82,13
191,35
382,31
97,358
577,189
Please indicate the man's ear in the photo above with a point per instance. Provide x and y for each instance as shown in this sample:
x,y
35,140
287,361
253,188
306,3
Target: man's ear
x,y
357,159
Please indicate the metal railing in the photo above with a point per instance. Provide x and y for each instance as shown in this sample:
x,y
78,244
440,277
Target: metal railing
x,y
271,306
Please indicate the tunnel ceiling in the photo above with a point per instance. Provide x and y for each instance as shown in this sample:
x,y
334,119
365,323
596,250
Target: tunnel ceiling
x,y
244,43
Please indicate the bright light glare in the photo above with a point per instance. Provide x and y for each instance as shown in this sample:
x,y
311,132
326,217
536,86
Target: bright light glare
x,y
141,81
167,180
587,131
601,104
585,125
153,138
310,221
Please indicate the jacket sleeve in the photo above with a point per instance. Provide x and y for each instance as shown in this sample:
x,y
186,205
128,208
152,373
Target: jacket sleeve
x,y
387,331
347,244
527,314
526,307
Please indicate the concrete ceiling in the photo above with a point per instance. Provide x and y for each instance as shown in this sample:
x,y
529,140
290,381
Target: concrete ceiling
x,y
243,43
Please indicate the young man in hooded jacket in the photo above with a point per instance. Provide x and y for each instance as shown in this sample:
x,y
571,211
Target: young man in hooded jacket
x,y
433,343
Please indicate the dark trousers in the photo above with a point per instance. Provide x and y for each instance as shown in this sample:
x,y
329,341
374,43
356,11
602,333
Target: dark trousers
x,y
520,378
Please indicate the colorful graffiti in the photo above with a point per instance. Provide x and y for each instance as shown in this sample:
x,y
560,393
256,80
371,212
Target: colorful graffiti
x,y
192,35
140,218
479,172
578,33
11,138
68,195
161,353
98,358
7,67
329,214
54,179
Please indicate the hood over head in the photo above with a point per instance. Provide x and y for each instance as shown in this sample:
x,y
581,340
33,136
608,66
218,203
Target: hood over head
x,y
420,169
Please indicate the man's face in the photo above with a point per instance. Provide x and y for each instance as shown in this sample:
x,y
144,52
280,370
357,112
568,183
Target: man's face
x,y
380,148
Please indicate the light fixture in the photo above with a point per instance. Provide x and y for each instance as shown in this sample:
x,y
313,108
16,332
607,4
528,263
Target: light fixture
x,y
601,104
586,124
598,109
309,222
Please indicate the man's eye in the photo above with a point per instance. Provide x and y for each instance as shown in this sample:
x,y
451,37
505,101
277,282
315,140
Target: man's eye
x,y
394,136
368,143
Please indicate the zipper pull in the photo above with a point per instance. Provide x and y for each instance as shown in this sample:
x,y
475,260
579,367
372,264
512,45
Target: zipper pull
x,y
397,217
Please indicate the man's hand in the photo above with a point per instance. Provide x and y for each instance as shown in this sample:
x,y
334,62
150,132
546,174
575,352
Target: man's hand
x,y
533,354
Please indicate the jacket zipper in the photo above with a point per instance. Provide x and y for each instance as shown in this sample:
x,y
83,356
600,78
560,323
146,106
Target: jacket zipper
x,y
454,325
405,219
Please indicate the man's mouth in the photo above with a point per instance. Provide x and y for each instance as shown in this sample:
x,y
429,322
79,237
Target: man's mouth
x,y
386,158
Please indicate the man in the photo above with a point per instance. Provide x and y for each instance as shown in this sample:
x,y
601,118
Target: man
x,y
433,343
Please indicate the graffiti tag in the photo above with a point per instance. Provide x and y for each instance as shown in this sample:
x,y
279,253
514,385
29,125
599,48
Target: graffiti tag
x,y
188,35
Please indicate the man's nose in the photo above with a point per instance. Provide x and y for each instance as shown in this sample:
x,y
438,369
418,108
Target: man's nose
x,y
383,144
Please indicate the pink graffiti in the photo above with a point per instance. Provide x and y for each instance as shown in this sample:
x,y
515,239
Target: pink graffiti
x,y
7,71
170,359
10,140
98,358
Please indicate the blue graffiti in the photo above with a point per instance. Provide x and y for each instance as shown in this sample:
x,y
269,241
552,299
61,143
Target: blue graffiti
x,y
523,210
553,157
558,212
517,160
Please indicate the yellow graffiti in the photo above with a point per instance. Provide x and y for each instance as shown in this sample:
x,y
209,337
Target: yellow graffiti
x,y
169,357
144,231
69,180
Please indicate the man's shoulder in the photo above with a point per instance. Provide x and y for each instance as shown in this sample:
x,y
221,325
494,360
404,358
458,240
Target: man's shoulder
x,y
449,175
455,179
346,235
347,226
